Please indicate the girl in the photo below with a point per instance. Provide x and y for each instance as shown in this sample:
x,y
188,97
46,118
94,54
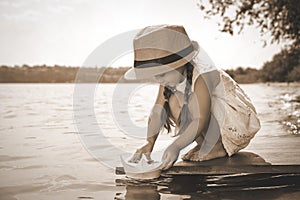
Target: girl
x,y
202,102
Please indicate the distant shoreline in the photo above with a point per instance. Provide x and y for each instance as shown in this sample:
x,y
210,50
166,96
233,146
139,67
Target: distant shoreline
x,y
263,83
63,74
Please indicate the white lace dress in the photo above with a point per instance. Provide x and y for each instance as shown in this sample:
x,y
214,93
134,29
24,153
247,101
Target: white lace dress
x,y
230,106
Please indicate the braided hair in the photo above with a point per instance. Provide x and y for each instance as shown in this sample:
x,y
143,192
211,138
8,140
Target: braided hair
x,y
166,114
185,115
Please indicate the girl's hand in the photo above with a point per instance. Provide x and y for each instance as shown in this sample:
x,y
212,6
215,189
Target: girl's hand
x,y
170,156
146,150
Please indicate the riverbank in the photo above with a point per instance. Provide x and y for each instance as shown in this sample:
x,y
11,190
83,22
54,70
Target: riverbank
x,y
64,74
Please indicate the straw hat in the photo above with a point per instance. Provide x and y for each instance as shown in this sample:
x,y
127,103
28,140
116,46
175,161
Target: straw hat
x,y
159,49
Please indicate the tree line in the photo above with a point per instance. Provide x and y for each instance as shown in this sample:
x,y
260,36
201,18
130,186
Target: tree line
x,y
284,67
59,74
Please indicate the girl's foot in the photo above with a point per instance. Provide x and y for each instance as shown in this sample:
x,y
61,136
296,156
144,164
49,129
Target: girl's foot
x,y
194,154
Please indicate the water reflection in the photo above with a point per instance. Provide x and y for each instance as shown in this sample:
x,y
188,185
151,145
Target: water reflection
x,y
146,192
233,186
260,186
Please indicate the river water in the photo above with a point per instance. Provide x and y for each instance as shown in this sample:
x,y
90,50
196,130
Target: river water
x,y
60,141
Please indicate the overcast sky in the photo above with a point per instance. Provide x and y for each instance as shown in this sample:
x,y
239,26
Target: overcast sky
x,y
66,32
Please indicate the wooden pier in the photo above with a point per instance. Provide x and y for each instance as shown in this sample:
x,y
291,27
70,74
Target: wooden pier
x,y
242,162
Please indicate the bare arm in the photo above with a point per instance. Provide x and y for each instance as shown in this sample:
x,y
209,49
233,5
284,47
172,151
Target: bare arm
x,y
199,106
154,125
155,122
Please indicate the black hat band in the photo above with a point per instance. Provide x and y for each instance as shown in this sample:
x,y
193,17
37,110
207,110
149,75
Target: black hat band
x,y
164,60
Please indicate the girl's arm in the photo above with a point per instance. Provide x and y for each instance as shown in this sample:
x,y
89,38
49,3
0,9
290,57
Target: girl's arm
x,y
199,107
155,124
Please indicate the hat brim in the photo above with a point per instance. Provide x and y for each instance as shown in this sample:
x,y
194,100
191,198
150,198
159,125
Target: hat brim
x,y
148,73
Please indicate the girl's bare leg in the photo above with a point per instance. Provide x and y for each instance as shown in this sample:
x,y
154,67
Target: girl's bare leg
x,y
197,154
188,155
217,151
209,144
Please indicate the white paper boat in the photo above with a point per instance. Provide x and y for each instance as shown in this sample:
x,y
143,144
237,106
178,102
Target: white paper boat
x,y
142,169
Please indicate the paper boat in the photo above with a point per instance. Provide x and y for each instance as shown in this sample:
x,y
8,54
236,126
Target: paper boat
x,y
142,169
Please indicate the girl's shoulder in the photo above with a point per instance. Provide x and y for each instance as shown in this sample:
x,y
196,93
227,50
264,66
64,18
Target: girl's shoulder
x,y
210,79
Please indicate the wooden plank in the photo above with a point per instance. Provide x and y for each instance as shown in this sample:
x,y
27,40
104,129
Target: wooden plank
x,y
218,170
242,162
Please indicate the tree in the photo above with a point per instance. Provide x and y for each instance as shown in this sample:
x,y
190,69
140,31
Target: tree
x,y
283,67
294,75
280,18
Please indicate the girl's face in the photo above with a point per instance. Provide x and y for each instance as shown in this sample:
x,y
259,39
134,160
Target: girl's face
x,y
171,78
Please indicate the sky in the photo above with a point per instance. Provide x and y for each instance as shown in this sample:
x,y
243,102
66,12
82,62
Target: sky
x,y
66,32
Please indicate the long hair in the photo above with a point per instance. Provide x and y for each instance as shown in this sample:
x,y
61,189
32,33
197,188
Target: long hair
x,y
185,115
166,114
